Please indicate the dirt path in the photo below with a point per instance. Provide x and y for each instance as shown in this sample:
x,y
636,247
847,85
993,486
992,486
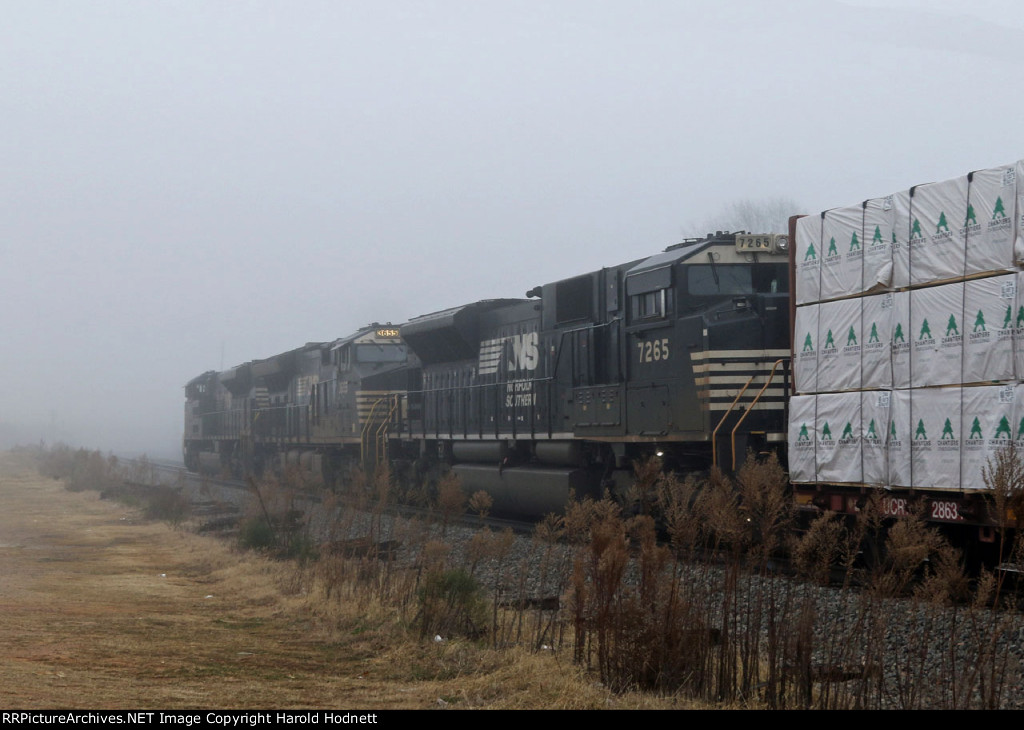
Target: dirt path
x,y
100,609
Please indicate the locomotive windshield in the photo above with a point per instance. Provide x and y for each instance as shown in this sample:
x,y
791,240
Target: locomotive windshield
x,y
732,279
371,352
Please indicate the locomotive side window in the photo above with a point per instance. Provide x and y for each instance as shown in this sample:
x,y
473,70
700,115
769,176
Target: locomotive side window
x,y
650,305
650,294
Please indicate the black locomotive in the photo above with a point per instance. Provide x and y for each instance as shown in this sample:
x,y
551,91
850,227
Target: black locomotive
x,y
683,354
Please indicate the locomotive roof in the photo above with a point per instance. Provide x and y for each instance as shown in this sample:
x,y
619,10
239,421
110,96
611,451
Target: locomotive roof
x,y
670,256
447,315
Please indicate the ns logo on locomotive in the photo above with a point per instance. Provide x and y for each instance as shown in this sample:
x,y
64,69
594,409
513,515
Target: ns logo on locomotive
x,y
683,354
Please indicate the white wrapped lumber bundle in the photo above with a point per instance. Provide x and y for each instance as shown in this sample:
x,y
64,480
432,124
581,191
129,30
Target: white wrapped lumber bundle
x,y
842,258
876,335
837,452
879,215
990,415
937,236
805,338
839,438
844,345
900,239
924,439
803,435
989,224
839,334
936,318
988,321
806,251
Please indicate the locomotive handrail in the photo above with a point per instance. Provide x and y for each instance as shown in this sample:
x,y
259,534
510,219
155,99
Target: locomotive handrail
x,y
753,403
366,428
714,434
381,452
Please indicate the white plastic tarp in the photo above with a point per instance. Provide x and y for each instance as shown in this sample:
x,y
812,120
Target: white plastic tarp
x,y
937,214
898,441
988,329
838,439
1018,325
805,371
879,214
989,225
935,427
803,437
876,336
842,262
839,351
874,416
902,338
900,239
989,419
1019,217
808,246
936,315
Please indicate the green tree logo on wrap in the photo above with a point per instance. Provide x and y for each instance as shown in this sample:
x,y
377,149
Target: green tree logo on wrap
x,y
871,431
920,433
826,432
1004,428
979,322
1009,316
926,331
915,230
892,429
847,432
803,433
947,431
854,242
999,212
829,342
897,336
851,337
976,429
942,223
971,218
832,250
808,345
1020,317
873,337
811,254
877,238
951,326
1020,430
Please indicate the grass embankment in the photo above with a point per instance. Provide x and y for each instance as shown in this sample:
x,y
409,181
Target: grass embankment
x,y
104,609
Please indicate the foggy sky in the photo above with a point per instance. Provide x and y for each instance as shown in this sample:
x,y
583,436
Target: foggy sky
x,y
190,185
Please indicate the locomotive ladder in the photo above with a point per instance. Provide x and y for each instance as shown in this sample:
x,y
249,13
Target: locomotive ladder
x,y
750,406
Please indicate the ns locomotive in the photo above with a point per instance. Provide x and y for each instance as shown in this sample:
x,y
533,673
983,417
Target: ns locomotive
x,y
684,354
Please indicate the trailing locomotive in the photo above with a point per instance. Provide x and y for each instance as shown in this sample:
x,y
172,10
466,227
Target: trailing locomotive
x,y
319,408
683,354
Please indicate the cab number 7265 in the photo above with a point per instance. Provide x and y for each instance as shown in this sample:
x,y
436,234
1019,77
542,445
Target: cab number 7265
x,y
653,350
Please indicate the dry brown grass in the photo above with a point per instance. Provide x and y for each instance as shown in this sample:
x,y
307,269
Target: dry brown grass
x,y
101,609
